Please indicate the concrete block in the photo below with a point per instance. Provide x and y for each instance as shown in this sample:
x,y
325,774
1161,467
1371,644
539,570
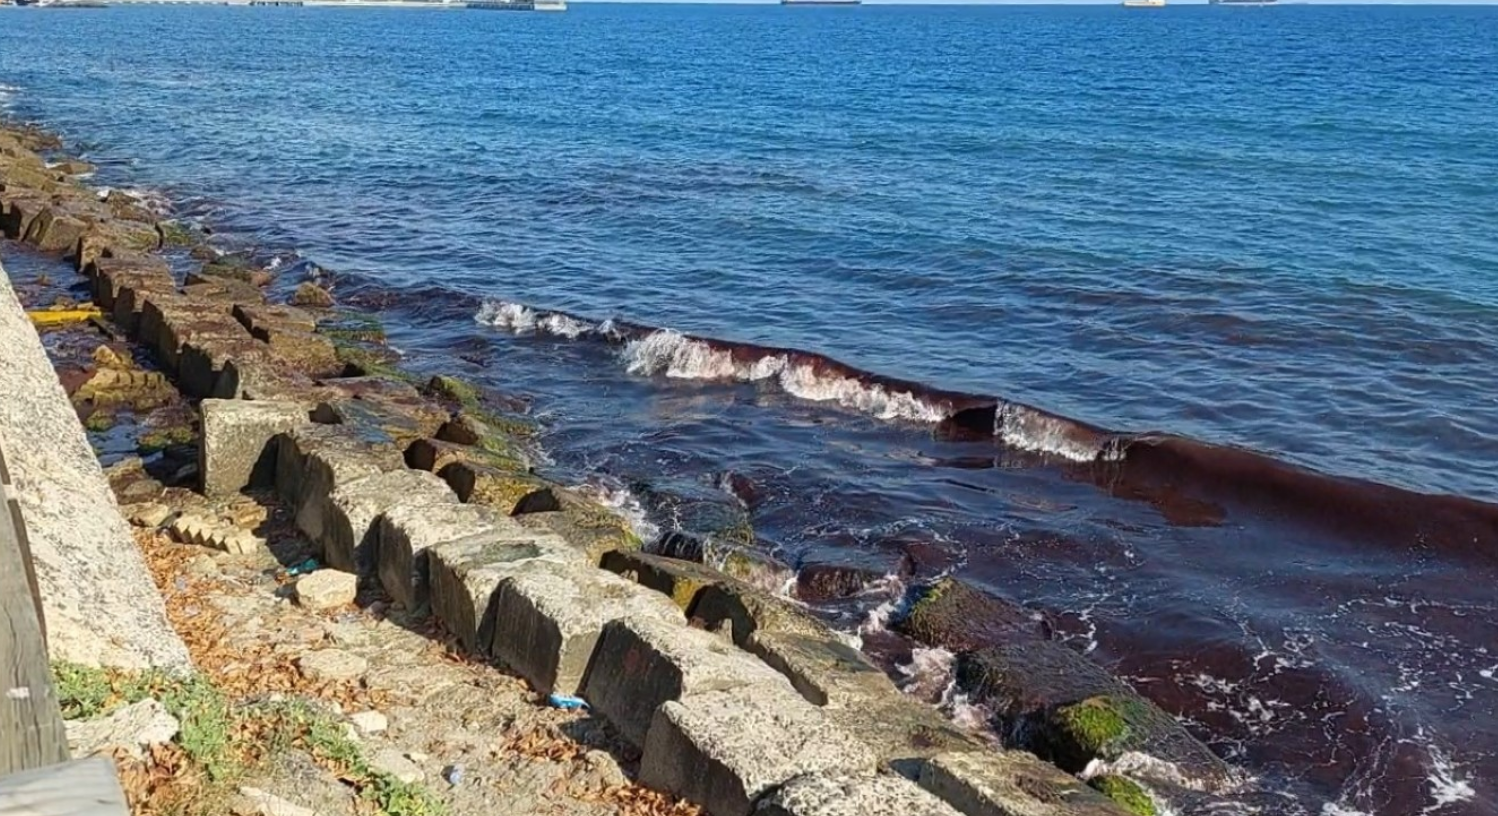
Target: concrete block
x,y
347,529
824,669
640,663
1010,783
677,579
496,487
902,730
725,749
464,575
407,531
546,624
841,794
739,610
238,449
313,460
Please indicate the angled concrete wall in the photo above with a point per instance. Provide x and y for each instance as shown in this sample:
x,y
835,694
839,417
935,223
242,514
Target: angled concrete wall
x,y
100,603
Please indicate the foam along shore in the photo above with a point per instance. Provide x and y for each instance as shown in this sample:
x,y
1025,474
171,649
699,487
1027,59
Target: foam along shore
x,y
737,699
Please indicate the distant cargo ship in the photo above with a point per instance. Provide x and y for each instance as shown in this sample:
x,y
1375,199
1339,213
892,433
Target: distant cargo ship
x,y
1144,3
821,2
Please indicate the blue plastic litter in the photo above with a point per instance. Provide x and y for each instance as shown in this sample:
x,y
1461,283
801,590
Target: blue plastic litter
x,y
567,702
310,565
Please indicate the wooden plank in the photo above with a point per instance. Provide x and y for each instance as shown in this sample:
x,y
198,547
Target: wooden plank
x,y
87,787
12,503
31,729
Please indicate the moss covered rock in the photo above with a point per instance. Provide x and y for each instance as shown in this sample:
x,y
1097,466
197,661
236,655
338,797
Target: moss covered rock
x,y
960,617
1126,793
1069,710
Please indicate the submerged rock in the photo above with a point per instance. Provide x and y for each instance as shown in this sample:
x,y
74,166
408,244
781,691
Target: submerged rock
x,y
1126,793
698,519
959,617
1071,711
312,296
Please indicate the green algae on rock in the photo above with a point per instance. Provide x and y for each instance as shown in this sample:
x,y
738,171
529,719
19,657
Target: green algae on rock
x,y
1126,793
957,616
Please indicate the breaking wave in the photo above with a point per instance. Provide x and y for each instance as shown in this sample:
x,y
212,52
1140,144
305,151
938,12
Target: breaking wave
x,y
1182,476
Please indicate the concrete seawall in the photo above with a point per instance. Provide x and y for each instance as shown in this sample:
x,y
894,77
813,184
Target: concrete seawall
x,y
100,604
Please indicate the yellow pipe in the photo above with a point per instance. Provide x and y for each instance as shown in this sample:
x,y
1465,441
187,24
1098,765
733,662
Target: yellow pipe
x,y
48,318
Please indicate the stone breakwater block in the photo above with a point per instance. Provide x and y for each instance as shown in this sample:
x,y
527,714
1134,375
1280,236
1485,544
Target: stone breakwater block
x,y
676,579
464,575
326,589
854,795
547,623
1072,711
238,449
348,527
587,525
640,663
107,275
204,359
18,208
725,749
902,731
435,455
407,531
739,610
499,488
1005,783
313,460
262,320
824,669
56,230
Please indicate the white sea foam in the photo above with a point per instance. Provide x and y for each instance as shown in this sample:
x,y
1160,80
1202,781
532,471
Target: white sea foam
x,y
627,505
1446,786
1027,429
929,674
670,353
521,319
1139,765
806,382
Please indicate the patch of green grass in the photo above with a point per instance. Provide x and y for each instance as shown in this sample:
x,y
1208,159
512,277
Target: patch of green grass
x,y
214,728
84,692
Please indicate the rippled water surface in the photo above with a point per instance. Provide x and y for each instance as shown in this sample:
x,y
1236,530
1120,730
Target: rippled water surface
x,y
1268,228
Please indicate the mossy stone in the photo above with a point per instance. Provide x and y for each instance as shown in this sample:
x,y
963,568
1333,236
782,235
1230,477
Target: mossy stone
x,y
1126,793
1099,726
99,421
162,438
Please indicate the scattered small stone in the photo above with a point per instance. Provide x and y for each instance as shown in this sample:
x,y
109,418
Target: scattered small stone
x,y
393,762
134,728
603,767
203,566
453,774
370,722
268,804
149,514
312,295
332,664
417,756
326,589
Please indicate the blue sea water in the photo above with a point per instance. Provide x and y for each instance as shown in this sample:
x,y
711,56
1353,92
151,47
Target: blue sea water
x,y
1270,228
